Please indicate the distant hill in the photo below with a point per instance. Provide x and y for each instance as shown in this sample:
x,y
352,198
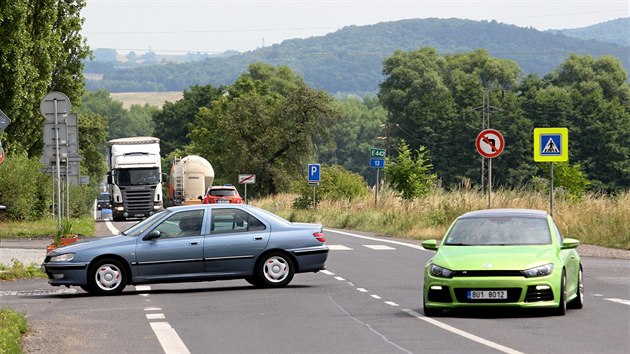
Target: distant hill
x,y
350,59
615,31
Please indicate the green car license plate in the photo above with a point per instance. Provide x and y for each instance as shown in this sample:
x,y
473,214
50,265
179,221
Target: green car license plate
x,y
486,294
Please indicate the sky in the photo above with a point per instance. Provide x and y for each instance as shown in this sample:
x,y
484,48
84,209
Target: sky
x,y
215,26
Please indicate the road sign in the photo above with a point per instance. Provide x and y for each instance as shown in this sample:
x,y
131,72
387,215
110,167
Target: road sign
x,y
551,144
377,163
313,172
48,109
490,143
4,121
374,152
247,179
1,153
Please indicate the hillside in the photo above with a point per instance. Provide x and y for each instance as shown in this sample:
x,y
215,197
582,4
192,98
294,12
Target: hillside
x,y
615,31
350,59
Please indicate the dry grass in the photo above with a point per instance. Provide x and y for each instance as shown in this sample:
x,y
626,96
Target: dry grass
x,y
141,98
597,220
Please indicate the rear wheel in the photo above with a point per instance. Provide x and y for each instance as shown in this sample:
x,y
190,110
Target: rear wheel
x,y
578,302
562,306
107,277
274,270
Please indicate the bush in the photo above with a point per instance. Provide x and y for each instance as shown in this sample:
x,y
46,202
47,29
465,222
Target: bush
x,y
24,189
408,174
336,183
12,327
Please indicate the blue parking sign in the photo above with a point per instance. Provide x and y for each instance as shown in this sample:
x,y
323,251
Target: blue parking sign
x,y
313,172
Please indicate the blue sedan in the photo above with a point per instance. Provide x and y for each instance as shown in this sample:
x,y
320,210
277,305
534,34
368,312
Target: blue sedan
x,y
193,243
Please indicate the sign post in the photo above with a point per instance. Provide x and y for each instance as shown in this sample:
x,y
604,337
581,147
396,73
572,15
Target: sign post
x,y
490,144
246,179
314,170
377,161
551,145
4,123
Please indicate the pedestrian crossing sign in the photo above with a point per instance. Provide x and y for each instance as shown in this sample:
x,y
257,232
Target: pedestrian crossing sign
x,y
551,144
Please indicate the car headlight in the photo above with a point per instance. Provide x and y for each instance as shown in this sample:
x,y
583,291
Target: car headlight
x,y
440,272
66,257
539,271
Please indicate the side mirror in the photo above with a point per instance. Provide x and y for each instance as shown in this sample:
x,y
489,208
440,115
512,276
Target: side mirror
x,y
569,243
430,245
151,235
109,178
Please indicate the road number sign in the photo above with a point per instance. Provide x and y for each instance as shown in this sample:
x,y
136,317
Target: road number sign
x,y
374,152
377,163
490,143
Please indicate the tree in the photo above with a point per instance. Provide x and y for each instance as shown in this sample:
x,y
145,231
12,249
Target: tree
x,y
409,172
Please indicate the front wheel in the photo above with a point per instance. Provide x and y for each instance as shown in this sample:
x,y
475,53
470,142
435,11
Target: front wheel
x,y
578,302
430,312
274,270
107,277
562,305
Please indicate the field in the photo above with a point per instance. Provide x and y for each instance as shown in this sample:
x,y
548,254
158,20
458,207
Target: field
x,y
152,98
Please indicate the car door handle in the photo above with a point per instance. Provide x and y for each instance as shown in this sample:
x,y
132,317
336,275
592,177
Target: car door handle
x,y
194,243
258,238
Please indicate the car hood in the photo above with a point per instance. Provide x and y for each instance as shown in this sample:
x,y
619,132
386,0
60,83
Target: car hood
x,y
493,257
91,243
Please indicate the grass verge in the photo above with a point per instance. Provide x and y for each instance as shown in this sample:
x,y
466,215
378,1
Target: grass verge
x,y
12,327
20,271
45,228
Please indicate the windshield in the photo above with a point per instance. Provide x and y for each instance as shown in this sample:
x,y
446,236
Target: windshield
x,y
491,231
145,224
138,176
103,196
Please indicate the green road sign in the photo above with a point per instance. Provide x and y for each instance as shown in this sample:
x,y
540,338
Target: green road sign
x,y
374,152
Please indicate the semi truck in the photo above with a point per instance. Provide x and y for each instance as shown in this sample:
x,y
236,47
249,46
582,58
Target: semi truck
x,y
135,177
189,179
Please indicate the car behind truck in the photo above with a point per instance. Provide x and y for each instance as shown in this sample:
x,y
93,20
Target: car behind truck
x,y
135,177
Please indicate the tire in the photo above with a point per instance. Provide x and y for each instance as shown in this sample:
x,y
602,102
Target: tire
x,y
86,288
107,277
429,312
253,281
562,306
578,302
274,270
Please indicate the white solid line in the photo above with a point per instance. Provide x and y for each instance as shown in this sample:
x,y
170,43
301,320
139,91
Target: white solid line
x,y
619,301
153,309
362,290
143,287
170,341
327,272
379,247
379,240
376,297
155,316
111,227
464,334
340,278
391,303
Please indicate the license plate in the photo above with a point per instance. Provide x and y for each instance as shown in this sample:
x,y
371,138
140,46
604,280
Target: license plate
x,y
487,294
139,215
223,201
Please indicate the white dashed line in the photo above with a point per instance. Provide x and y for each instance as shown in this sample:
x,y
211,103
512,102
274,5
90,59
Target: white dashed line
x,y
391,303
340,278
379,247
170,341
379,240
376,297
339,248
143,288
362,290
619,301
326,272
153,309
155,316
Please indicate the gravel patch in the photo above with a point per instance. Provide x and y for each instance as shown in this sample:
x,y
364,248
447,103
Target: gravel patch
x,y
602,252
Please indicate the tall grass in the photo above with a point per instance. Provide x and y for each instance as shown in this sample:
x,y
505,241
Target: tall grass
x,y
595,219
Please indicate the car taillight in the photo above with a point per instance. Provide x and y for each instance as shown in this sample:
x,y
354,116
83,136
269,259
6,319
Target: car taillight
x,y
319,236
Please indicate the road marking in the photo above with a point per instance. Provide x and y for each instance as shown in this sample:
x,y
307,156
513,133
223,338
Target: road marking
x,y
143,288
379,247
327,272
379,240
391,303
37,292
339,248
170,341
464,334
340,278
153,309
362,290
155,316
376,297
111,227
619,301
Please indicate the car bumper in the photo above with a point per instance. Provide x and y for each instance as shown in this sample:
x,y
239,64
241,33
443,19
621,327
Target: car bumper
x,y
311,259
539,292
65,273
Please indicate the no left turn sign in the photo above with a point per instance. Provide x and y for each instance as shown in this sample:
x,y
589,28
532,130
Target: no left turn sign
x,y
490,143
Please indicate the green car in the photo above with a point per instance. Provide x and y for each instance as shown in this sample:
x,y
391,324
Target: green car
x,y
503,258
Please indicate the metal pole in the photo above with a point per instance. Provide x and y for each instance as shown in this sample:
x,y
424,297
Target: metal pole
x,y
245,193
489,183
52,178
376,188
551,188
58,165
67,189
314,200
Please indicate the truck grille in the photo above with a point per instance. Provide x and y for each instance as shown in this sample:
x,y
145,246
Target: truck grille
x,y
138,201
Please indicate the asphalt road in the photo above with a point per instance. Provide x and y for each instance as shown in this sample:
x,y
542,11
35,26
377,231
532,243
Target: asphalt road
x,y
367,301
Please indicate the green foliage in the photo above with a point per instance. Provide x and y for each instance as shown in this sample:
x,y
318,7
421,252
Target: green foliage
x,y
23,188
409,173
614,31
92,142
336,184
565,176
12,327
17,270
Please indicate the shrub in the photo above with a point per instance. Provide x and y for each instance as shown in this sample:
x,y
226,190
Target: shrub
x,y
24,189
410,175
336,183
